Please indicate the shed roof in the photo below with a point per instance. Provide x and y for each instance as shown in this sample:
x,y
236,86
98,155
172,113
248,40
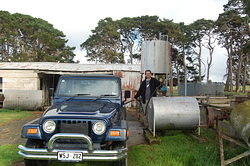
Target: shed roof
x,y
67,67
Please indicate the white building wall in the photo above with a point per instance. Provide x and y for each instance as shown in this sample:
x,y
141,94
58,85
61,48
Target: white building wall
x,y
21,89
20,80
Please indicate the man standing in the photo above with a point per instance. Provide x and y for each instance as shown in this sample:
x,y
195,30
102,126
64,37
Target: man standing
x,y
147,88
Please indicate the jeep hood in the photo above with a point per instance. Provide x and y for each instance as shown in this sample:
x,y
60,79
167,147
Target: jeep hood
x,y
82,107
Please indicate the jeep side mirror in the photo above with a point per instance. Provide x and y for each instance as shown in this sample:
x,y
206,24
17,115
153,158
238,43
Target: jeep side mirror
x,y
126,94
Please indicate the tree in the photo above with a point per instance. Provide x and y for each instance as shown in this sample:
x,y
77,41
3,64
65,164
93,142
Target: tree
x,y
247,6
240,60
129,33
242,7
184,45
104,45
112,40
24,38
234,35
147,26
197,33
209,40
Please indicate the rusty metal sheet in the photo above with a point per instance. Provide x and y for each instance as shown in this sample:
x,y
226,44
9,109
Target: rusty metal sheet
x,y
130,80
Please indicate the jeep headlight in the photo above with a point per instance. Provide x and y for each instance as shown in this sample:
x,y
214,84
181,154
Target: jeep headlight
x,y
49,126
99,127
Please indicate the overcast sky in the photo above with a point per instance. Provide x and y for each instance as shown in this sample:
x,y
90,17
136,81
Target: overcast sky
x,y
76,18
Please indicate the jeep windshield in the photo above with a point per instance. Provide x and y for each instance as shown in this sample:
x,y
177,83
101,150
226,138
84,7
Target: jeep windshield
x,y
71,87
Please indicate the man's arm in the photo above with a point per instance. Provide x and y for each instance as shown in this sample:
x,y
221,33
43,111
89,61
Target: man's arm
x,y
139,92
157,83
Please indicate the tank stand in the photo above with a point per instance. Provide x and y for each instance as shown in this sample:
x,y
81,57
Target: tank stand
x,y
224,161
150,139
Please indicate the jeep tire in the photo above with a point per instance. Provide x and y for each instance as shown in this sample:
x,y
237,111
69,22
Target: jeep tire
x,y
32,143
122,162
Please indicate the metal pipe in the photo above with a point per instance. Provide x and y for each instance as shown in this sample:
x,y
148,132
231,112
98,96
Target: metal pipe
x,y
55,151
85,158
100,155
86,138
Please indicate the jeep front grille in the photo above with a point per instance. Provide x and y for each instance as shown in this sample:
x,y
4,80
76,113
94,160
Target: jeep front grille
x,y
73,126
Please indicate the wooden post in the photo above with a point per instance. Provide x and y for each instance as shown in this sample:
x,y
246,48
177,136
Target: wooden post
x,y
242,155
222,159
222,136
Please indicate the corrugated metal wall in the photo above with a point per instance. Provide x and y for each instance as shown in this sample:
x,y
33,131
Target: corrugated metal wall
x,y
202,89
23,99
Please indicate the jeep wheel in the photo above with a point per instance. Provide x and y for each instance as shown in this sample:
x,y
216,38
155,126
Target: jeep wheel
x,y
32,143
123,162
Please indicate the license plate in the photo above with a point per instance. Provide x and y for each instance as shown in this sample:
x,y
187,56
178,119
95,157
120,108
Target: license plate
x,y
69,156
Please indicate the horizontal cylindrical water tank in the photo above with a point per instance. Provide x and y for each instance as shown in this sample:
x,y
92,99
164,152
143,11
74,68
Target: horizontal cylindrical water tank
x,y
240,120
156,56
173,113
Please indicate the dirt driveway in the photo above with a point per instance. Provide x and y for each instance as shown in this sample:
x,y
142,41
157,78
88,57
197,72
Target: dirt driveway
x,y
10,132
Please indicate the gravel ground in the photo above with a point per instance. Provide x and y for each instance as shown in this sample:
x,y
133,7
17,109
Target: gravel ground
x,y
10,132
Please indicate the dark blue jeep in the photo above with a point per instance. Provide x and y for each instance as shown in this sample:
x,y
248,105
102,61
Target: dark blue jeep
x,y
86,122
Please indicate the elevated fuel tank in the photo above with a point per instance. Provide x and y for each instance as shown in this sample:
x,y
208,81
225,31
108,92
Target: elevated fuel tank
x,y
167,113
240,120
156,56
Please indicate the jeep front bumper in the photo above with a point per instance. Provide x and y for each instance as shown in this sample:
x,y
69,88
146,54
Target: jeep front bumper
x,y
88,155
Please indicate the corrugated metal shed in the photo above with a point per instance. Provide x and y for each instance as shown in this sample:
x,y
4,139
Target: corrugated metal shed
x,y
37,76
67,67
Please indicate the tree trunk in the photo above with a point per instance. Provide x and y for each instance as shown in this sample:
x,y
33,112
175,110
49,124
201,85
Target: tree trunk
x,y
178,78
238,73
185,71
244,76
130,49
209,63
199,61
227,84
230,69
210,47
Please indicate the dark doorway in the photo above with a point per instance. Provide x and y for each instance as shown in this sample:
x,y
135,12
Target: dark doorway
x,y
47,82
1,84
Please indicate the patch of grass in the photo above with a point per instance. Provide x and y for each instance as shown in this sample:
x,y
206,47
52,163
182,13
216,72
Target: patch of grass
x,y
8,155
180,149
7,115
234,93
175,149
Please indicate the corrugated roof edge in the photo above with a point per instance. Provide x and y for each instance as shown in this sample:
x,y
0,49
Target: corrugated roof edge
x,y
54,66
90,75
